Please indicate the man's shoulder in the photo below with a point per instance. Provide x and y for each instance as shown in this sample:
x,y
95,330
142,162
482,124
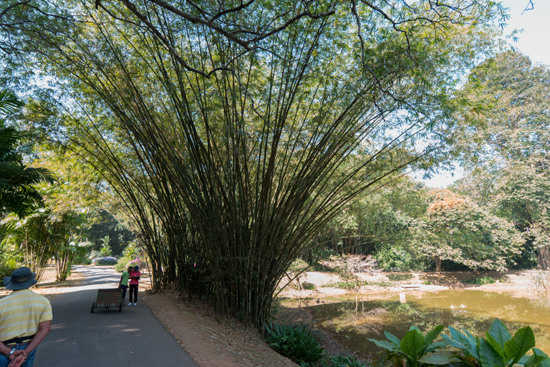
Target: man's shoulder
x,y
30,294
23,294
44,298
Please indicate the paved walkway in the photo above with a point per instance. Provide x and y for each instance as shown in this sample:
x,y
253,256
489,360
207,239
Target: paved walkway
x,y
106,338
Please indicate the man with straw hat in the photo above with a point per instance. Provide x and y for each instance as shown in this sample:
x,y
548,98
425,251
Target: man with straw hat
x,y
25,319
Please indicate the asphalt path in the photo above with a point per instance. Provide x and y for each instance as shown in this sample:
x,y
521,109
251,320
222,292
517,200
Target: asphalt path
x,y
105,338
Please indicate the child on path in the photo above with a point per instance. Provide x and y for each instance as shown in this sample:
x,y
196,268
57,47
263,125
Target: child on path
x,y
134,283
123,284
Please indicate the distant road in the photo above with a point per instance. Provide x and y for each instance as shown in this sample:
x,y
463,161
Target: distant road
x,y
106,338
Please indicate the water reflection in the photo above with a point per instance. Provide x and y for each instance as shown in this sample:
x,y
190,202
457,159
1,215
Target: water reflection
x,y
354,320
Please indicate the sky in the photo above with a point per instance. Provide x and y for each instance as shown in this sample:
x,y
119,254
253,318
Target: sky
x,y
533,42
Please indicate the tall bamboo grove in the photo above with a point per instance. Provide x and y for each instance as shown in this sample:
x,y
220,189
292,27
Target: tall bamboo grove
x,y
231,153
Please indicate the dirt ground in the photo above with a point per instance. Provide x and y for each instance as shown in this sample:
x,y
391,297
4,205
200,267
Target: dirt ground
x,y
328,284
211,341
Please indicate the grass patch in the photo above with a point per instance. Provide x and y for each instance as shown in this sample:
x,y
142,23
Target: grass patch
x,y
308,286
399,277
348,284
481,280
356,284
379,284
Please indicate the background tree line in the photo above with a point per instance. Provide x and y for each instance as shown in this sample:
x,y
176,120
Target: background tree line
x,y
501,203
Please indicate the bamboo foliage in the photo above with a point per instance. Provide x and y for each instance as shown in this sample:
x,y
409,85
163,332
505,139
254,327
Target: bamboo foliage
x,y
228,176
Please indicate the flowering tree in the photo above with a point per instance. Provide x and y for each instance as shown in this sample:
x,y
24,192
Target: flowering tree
x,y
459,230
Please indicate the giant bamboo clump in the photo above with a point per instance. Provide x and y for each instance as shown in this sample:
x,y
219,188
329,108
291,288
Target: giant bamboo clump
x,y
229,172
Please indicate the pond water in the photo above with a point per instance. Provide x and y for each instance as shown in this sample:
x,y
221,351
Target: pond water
x,y
355,319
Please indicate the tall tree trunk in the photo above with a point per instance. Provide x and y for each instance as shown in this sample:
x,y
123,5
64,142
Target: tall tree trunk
x,y
437,260
543,257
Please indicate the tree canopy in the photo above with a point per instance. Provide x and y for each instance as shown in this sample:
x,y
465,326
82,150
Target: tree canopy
x,y
505,143
18,193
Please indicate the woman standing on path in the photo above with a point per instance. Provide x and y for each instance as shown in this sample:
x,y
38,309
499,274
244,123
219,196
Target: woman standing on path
x,y
134,283
123,284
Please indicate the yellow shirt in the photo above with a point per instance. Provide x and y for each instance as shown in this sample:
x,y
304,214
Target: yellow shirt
x,y
21,312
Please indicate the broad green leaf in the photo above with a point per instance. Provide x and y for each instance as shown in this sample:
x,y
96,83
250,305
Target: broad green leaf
x,y
392,338
415,328
470,336
457,335
496,345
499,332
432,335
435,346
488,356
523,359
473,343
545,363
455,343
443,357
468,343
412,343
385,344
523,340
538,357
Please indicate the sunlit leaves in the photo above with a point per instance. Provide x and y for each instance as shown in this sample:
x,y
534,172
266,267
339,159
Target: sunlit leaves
x,y
457,229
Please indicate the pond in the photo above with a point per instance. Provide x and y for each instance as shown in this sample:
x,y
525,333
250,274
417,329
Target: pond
x,y
355,319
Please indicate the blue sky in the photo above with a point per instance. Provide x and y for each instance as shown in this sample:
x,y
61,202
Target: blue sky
x,y
533,42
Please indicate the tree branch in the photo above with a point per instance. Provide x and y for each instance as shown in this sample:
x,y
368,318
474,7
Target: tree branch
x,y
5,11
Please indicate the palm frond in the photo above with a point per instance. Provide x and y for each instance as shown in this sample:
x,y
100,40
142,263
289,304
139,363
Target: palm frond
x,y
9,103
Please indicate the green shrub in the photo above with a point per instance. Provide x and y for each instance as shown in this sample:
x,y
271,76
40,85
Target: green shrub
x,y
343,361
294,342
498,349
107,260
319,253
481,280
350,284
415,349
131,250
81,260
308,286
399,277
122,263
6,268
394,257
